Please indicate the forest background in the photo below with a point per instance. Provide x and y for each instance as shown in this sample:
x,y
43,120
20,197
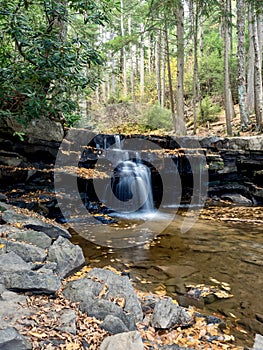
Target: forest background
x,y
133,66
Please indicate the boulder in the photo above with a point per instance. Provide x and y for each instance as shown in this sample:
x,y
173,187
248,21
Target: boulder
x,y
113,325
102,293
52,230
68,322
127,341
12,308
10,339
237,199
31,281
119,287
68,257
27,252
42,128
166,315
258,343
11,262
37,238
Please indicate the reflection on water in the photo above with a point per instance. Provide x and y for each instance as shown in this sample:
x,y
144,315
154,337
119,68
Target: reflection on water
x,y
229,253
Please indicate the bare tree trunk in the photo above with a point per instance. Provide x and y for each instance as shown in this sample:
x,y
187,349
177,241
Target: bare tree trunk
x,y
124,59
171,94
163,71
251,65
158,66
142,63
180,128
242,93
227,90
196,96
132,53
258,74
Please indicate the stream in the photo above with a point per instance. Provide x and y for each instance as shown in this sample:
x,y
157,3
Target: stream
x,y
210,253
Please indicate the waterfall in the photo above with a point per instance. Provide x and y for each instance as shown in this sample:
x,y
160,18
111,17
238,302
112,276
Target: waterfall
x,y
131,188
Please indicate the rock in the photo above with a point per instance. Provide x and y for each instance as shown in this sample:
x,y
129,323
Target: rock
x,y
3,197
31,281
127,341
11,262
258,344
68,322
11,307
237,199
101,308
113,325
52,230
37,238
10,339
68,257
166,314
174,347
35,129
119,287
27,252
97,293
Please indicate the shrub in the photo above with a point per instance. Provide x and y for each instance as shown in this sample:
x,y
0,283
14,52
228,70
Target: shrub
x,y
209,111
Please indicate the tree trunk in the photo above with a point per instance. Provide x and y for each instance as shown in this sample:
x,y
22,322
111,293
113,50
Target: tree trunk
x,y
180,128
163,71
242,93
142,63
258,74
124,59
251,65
227,90
132,53
158,66
196,96
171,94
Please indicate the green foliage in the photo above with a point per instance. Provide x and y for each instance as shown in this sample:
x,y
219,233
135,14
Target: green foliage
x,y
157,117
209,111
45,62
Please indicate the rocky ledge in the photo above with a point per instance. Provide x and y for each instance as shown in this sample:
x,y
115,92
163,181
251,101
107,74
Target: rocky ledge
x,y
46,304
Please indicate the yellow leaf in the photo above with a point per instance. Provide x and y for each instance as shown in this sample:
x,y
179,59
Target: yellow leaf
x,y
2,246
38,335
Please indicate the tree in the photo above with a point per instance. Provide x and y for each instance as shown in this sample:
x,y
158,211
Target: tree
x,y
45,57
180,128
258,71
227,90
242,94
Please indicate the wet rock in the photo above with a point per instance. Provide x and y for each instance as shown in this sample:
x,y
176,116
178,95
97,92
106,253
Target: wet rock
x,y
11,262
37,238
119,287
166,315
10,339
113,325
31,281
237,199
67,256
52,230
3,197
178,271
258,344
27,252
259,317
68,322
127,341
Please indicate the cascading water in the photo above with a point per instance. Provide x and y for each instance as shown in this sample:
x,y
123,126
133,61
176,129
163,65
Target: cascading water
x,y
132,188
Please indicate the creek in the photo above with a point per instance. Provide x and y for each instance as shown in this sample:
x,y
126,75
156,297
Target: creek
x,y
208,252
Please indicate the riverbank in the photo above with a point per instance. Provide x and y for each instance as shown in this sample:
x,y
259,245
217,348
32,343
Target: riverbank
x,y
84,310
